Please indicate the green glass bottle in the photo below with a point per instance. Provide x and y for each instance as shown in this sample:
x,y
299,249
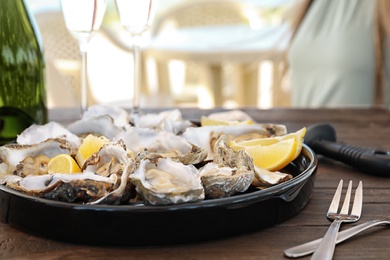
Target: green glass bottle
x,y
22,78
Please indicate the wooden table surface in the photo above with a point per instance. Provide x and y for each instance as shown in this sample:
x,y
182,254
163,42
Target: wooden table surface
x,y
363,127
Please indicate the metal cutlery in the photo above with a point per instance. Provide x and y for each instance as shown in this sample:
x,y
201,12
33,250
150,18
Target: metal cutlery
x,y
326,248
310,247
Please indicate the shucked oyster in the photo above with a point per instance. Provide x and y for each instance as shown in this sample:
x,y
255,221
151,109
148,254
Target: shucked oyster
x,y
119,115
12,155
110,156
230,172
264,178
231,115
81,187
113,159
39,133
161,181
168,121
164,143
206,136
102,125
105,179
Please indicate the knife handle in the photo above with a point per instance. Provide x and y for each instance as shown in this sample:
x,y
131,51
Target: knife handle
x,y
375,162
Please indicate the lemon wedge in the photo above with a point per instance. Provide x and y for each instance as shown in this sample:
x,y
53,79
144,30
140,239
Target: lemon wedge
x,y
207,121
273,153
90,145
63,163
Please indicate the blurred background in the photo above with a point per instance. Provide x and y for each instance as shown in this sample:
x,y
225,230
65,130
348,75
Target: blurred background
x,y
214,53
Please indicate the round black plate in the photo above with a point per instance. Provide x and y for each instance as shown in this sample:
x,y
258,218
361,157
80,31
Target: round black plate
x,y
159,225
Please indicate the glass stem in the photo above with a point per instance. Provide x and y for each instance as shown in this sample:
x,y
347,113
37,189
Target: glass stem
x,y
137,72
84,75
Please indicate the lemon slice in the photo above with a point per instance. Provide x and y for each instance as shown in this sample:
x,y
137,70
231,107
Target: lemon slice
x,y
273,153
275,156
90,145
63,163
207,121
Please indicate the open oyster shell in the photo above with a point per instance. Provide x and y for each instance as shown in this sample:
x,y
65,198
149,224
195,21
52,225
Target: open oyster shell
x,y
168,121
164,143
113,159
206,136
162,181
43,183
102,125
230,172
52,130
265,178
12,155
81,187
119,115
231,115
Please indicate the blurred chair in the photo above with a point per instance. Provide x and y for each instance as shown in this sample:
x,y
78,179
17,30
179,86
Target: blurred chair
x,y
191,14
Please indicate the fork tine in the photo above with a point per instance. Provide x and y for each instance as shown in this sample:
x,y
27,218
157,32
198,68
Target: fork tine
x,y
345,208
358,201
334,205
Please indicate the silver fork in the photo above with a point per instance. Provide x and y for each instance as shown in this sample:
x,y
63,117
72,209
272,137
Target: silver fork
x,y
310,247
326,248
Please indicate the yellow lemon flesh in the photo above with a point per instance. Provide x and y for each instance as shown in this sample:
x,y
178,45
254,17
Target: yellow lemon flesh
x,y
275,156
63,163
207,121
273,153
90,145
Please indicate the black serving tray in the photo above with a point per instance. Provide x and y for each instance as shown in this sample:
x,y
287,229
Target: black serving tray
x,y
139,224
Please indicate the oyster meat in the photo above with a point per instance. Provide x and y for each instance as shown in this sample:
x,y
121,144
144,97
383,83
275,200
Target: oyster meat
x,y
162,181
164,143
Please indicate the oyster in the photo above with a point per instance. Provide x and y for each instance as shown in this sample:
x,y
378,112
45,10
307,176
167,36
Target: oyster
x,y
119,115
168,121
164,143
33,166
102,125
12,155
105,179
230,172
206,136
113,159
39,133
231,115
81,187
265,178
122,192
107,157
162,181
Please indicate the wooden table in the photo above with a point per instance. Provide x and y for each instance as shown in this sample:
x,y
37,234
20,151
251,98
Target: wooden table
x,y
363,127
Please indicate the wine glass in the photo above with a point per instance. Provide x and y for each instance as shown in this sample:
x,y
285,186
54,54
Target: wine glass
x,y
82,19
136,16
